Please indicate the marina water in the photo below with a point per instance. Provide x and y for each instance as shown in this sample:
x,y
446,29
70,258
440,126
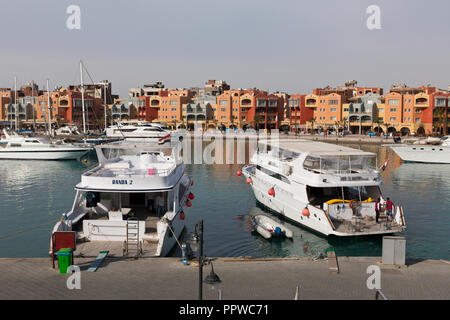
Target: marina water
x,y
34,194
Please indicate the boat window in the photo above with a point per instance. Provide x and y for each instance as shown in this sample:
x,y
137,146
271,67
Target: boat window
x,y
338,164
273,174
318,196
15,145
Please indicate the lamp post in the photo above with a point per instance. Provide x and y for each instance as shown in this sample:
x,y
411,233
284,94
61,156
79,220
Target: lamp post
x,y
200,261
196,243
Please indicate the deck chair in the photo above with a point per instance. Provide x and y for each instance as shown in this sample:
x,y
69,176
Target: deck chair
x,y
62,239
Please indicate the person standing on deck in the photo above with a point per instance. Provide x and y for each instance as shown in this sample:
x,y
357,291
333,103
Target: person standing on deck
x,y
377,210
389,208
159,202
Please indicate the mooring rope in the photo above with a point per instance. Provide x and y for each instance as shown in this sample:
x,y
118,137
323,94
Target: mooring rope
x,y
170,228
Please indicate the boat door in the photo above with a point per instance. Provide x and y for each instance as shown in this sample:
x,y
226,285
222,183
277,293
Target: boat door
x,y
137,199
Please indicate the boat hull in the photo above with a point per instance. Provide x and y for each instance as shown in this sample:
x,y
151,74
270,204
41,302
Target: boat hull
x,y
423,154
68,154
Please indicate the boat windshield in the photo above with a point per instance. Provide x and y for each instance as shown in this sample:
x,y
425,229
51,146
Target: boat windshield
x,y
111,151
340,164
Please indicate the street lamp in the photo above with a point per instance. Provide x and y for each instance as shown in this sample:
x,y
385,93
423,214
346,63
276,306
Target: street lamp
x,y
196,243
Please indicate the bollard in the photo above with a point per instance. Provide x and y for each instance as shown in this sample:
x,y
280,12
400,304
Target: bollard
x,y
184,254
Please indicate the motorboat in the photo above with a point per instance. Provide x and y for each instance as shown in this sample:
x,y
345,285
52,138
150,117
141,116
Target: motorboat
x,y
15,146
67,130
269,228
131,203
139,129
426,151
330,189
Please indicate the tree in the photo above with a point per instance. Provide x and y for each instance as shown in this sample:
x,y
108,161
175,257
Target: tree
x,y
440,125
257,121
387,125
312,121
379,123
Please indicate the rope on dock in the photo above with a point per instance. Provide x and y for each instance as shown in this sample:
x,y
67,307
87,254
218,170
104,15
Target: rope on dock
x,y
26,230
174,235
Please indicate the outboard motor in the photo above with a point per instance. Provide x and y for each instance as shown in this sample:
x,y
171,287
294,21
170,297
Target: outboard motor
x,y
278,231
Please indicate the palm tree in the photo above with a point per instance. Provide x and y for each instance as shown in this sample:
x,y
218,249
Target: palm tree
x,y
379,123
312,121
440,125
257,121
387,125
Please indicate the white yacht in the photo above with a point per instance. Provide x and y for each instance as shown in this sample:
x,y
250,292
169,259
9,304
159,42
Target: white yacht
x,y
423,152
139,129
14,146
131,203
328,188
67,130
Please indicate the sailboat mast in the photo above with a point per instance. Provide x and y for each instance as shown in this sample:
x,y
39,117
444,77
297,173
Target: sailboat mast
x,y
82,97
104,101
33,105
16,120
49,111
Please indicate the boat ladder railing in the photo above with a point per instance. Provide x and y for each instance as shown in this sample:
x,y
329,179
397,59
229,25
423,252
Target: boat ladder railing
x,y
132,243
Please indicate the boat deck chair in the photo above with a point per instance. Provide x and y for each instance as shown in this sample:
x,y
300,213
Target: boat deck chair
x,y
62,239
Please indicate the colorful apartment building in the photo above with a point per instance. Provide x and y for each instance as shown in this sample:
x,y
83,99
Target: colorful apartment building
x,y
171,106
299,114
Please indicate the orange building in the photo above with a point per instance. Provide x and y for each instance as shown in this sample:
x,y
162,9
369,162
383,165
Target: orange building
x,y
171,106
329,110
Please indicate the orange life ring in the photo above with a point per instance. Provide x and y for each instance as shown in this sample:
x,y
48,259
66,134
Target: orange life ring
x,y
353,204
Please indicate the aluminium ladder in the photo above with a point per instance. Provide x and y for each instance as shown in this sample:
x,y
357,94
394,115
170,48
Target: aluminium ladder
x,y
132,243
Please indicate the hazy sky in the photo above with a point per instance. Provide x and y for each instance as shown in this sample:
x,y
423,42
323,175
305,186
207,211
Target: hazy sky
x,y
291,46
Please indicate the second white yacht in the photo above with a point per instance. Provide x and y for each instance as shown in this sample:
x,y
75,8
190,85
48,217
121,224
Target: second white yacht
x,y
328,188
425,153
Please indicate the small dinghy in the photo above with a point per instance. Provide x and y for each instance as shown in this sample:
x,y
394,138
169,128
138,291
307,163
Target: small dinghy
x,y
269,228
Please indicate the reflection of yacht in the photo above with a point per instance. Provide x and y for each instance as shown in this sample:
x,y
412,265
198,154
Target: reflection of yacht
x,y
427,153
328,188
138,129
135,190
30,148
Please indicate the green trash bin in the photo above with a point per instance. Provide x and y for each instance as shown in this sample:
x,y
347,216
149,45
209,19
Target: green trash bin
x,y
65,259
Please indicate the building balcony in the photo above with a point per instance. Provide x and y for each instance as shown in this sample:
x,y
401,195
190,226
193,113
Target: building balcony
x,y
421,103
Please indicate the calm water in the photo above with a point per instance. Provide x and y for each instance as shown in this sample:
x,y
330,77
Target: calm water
x,y
33,194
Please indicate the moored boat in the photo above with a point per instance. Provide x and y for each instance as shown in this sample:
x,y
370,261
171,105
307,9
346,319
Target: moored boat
x,y
269,228
425,151
327,188
15,146
133,200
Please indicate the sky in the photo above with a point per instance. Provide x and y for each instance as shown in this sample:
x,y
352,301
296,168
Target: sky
x,y
283,45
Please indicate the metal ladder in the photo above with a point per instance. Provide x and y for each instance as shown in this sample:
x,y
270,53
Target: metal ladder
x,y
132,243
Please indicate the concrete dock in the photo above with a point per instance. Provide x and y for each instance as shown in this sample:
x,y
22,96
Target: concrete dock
x,y
168,278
